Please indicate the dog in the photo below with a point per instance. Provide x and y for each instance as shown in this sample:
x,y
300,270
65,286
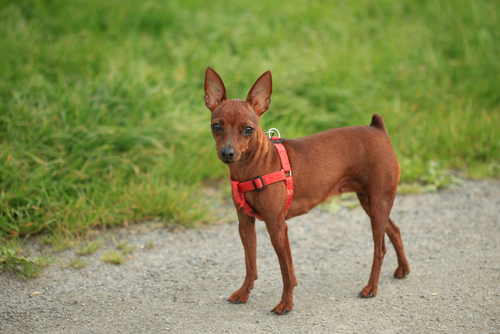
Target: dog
x,y
275,186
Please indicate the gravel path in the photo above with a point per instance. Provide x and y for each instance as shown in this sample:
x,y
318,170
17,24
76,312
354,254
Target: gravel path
x,y
452,241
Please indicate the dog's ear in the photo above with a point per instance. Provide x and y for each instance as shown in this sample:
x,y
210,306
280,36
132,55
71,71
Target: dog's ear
x,y
215,92
259,96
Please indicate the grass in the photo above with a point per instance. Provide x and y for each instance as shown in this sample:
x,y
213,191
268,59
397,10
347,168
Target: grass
x,y
125,248
118,256
102,120
436,177
25,267
90,247
58,241
114,257
77,263
334,204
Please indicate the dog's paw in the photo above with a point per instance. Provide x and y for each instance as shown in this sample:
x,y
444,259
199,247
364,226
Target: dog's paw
x,y
371,295
401,271
236,302
368,292
282,308
240,296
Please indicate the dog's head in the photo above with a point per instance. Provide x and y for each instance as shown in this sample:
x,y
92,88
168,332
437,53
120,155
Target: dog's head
x,y
235,123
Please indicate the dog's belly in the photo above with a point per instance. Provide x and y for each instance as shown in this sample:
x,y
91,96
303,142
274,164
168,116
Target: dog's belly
x,y
304,202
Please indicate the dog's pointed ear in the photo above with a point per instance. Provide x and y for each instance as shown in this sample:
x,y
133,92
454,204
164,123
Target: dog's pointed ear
x,y
259,96
215,92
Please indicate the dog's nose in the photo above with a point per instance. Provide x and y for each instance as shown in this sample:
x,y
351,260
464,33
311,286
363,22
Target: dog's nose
x,y
227,153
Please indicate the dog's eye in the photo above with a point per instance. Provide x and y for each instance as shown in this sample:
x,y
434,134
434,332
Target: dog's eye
x,y
216,127
248,130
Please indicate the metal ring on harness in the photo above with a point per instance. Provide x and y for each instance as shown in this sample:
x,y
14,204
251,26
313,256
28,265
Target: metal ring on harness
x,y
271,132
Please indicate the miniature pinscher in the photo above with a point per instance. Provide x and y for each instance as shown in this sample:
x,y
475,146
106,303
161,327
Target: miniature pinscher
x,y
275,186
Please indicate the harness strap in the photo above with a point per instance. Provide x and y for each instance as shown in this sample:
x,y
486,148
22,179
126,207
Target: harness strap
x,y
260,182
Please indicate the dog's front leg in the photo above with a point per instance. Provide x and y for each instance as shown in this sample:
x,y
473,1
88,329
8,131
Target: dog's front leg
x,y
249,240
278,231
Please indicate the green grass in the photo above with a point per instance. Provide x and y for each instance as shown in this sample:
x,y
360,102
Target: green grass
x,y
102,120
25,267
77,263
57,240
125,248
90,247
114,257
346,200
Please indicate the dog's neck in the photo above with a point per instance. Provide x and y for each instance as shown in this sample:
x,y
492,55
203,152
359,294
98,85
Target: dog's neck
x,y
258,155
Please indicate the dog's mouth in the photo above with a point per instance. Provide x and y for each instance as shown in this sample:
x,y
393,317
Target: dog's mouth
x,y
228,162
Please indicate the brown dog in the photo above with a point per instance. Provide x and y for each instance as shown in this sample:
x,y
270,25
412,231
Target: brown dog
x,y
353,159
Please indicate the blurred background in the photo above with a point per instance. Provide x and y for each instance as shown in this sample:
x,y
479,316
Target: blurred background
x,y
103,122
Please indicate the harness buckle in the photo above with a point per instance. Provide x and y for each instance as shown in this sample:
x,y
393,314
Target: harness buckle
x,y
261,180
276,141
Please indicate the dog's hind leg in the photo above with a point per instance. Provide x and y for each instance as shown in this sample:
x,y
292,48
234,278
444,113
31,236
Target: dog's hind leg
x,y
249,240
394,235
379,217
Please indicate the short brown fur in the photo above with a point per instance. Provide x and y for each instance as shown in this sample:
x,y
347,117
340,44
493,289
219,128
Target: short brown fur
x,y
357,159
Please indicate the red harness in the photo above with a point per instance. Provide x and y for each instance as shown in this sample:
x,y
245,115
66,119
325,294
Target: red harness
x,y
260,182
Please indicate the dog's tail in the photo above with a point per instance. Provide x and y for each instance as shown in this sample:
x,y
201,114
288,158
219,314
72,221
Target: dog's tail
x,y
378,122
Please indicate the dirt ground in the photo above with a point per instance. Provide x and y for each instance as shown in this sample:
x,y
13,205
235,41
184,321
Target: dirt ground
x,y
451,238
